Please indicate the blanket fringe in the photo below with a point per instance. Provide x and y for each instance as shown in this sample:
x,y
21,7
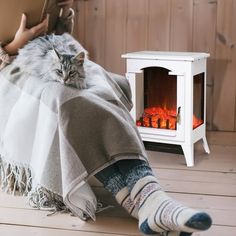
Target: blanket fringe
x,y
14,179
17,180
42,198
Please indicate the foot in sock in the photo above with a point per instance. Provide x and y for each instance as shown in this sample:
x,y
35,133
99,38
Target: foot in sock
x,y
159,213
124,199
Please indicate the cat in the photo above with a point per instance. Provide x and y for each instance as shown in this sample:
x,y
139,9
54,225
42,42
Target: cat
x,y
57,58
68,69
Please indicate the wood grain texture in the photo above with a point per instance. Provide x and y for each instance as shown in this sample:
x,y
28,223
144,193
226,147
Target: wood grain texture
x,y
181,38
159,25
137,22
116,17
79,21
95,22
13,230
209,185
108,28
39,219
204,35
225,79
214,162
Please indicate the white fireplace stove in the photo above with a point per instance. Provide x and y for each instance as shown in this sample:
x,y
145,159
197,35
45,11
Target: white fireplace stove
x,y
172,83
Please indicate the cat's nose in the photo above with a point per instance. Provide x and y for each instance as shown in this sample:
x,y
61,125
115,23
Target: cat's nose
x,y
66,80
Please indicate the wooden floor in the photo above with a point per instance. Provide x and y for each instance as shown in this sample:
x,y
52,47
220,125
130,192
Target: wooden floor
x,y
209,185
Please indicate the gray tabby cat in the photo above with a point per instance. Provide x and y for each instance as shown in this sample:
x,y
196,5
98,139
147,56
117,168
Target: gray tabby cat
x,y
55,58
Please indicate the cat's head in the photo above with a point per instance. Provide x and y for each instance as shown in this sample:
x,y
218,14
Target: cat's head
x,y
67,69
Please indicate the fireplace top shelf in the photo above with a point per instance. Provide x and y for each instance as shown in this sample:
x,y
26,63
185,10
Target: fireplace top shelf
x,y
166,55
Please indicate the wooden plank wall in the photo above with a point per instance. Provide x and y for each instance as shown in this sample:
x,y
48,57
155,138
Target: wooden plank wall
x,y
109,28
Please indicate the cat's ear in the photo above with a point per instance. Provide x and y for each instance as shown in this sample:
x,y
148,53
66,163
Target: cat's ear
x,y
56,54
80,57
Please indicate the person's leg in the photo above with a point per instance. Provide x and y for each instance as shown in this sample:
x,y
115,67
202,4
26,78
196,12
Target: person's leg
x,y
113,181
157,212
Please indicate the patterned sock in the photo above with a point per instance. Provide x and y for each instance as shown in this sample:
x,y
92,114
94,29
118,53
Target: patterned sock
x,y
117,187
159,213
123,198
114,183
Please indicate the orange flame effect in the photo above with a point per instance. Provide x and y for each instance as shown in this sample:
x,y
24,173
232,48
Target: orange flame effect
x,y
157,117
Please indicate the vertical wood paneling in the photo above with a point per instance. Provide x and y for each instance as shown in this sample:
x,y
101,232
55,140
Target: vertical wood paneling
x,y
95,21
225,79
79,28
204,33
233,46
115,35
108,28
159,25
137,22
181,25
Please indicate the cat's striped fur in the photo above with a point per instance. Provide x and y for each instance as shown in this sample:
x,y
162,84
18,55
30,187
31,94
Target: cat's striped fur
x,y
56,58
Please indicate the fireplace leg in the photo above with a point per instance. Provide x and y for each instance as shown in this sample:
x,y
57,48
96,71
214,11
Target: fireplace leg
x,y
188,154
205,145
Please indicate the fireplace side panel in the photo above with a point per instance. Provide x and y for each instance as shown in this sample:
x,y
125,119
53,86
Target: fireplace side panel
x,y
198,99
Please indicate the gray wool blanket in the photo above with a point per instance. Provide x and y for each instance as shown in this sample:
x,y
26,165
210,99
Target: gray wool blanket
x,y
54,137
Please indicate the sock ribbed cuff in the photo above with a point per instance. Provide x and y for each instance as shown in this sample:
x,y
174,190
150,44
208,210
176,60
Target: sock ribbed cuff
x,y
137,173
114,184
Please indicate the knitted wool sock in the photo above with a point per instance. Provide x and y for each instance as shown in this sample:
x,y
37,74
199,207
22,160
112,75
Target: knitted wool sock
x,y
159,213
123,198
117,187
114,183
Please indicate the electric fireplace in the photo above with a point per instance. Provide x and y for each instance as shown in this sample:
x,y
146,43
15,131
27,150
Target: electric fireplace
x,y
169,97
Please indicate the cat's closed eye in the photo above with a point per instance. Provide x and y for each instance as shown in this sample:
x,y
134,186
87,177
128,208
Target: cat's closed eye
x,y
72,73
59,72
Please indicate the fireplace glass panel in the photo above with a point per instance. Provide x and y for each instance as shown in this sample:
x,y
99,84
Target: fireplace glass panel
x,y
160,99
198,100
